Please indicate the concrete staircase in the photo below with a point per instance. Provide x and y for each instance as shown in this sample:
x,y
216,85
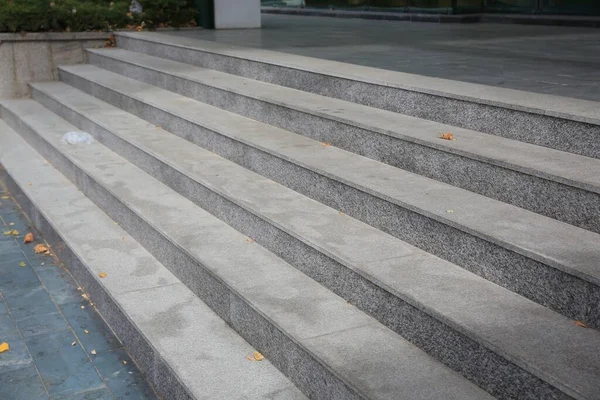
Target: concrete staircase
x,y
244,200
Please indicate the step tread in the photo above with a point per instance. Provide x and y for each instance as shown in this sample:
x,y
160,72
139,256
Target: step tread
x,y
533,235
571,169
544,104
511,325
206,354
311,315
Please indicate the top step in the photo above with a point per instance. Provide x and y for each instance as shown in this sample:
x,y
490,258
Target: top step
x,y
566,124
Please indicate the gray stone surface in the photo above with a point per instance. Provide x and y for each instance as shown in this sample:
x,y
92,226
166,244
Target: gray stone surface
x,y
186,350
534,118
227,254
549,182
531,254
34,57
383,267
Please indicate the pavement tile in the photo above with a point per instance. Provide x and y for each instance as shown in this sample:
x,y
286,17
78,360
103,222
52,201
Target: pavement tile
x,y
16,358
125,380
22,384
64,367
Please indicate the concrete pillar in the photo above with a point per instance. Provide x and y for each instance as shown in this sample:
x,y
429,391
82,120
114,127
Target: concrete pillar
x,y
231,14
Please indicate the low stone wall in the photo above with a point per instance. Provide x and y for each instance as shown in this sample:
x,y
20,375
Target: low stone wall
x,y
31,57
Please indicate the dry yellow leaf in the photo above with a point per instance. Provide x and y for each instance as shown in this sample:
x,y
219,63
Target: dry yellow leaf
x,y
22,264
325,144
4,347
28,238
580,324
447,136
102,274
258,356
15,232
249,240
41,248
4,197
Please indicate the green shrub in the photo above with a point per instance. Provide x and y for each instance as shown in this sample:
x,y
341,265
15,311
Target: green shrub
x,y
86,15
167,12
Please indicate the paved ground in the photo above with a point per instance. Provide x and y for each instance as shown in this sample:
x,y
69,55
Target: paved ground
x,y
44,319
546,59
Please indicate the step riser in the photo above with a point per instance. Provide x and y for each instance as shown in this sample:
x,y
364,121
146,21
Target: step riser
x,y
155,368
312,377
566,203
546,285
562,134
465,355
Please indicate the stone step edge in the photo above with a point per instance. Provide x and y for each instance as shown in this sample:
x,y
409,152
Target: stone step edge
x,y
557,106
328,373
434,142
440,217
105,132
108,301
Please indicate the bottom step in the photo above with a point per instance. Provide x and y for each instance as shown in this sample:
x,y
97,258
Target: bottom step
x,y
183,347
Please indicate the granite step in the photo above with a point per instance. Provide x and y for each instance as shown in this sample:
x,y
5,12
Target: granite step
x,y
185,350
557,184
327,347
550,262
492,336
561,123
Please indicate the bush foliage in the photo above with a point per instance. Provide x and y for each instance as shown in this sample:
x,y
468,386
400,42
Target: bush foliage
x,y
88,15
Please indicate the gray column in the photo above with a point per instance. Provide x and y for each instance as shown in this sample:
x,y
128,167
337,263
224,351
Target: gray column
x,y
230,14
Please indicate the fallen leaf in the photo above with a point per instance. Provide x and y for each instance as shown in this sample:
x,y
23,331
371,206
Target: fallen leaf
x,y
325,144
41,249
124,362
4,347
73,343
82,307
86,331
79,288
28,238
4,197
22,264
580,324
15,232
8,232
93,352
249,240
102,274
250,358
447,136
85,296
341,213
11,224
258,356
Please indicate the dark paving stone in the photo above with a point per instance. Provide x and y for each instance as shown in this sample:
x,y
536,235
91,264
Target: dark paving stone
x,y
102,394
125,380
42,324
3,308
99,338
65,368
17,280
21,384
17,357
27,302
8,329
59,284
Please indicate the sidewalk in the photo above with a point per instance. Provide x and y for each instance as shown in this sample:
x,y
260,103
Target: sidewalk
x,y
52,330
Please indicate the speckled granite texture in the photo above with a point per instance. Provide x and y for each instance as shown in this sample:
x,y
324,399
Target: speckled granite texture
x,y
546,285
305,358
482,365
554,199
532,128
